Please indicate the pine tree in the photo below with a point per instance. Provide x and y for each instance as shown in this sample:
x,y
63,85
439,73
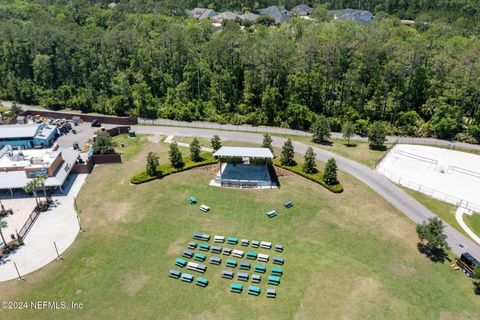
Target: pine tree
x,y
288,154
152,164
216,143
195,149
320,130
330,173
175,156
310,165
267,141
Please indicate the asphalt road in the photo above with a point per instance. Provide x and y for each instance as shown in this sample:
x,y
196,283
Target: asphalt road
x,y
393,194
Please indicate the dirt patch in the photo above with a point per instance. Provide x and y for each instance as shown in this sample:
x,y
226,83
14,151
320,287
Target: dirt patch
x,y
176,247
403,270
118,212
156,138
280,172
134,283
212,169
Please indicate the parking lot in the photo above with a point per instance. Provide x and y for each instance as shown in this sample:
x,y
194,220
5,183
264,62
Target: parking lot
x,y
84,133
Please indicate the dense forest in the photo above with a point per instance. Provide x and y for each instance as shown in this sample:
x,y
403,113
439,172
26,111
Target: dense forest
x,y
421,79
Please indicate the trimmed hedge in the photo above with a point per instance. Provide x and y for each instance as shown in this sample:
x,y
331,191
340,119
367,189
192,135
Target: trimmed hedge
x,y
315,177
166,169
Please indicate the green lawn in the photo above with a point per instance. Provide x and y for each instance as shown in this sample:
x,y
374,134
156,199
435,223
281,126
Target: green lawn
x,y
446,212
346,258
473,222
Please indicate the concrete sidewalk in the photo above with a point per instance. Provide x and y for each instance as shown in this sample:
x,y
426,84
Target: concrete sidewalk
x,y
59,224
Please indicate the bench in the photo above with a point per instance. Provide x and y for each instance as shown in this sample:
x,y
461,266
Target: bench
x,y
187,254
196,267
238,253
179,262
252,255
192,245
265,245
202,237
274,280
220,239
259,269
245,265
255,291
256,278
199,257
279,248
175,274
187,277
232,240
236,288
202,282
227,274
204,208
263,257
203,247
226,251
277,272
215,260
271,214
244,242
231,263
216,249
278,260
192,200
271,293
288,204
242,276
255,243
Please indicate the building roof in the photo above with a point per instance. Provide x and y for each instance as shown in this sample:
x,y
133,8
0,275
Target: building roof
x,y
244,152
45,132
19,130
201,13
274,12
225,16
358,16
18,179
302,9
248,16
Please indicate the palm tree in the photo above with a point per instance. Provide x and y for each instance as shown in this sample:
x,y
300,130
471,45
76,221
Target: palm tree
x,y
3,224
41,183
32,187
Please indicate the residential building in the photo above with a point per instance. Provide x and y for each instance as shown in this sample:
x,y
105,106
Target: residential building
x,y
201,13
358,16
277,14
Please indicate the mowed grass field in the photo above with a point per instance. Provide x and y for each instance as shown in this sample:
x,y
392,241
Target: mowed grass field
x,y
348,256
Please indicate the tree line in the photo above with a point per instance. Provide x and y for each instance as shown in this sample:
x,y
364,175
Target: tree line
x,y
417,80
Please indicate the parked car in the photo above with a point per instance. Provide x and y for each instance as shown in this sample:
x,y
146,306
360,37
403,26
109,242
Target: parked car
x,y
96,123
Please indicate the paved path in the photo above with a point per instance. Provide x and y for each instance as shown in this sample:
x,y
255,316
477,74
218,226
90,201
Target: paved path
x,y
276,130
396,196
393,194
169,140
58,224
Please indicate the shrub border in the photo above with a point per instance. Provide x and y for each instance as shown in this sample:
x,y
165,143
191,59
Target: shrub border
x,y
338,188
167,169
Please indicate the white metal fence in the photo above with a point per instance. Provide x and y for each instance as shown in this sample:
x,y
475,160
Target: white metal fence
x,y
213,125
429,191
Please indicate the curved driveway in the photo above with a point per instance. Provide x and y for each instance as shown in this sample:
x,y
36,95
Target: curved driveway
x,y
393,194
